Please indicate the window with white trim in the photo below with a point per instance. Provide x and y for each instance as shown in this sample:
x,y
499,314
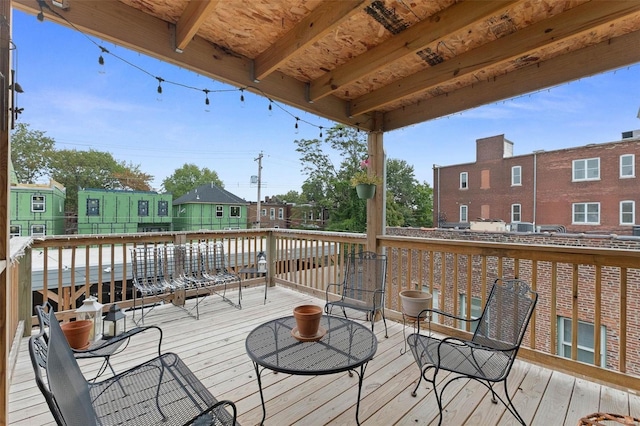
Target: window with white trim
x,y
627,212
464,213
464,180
15,231
219,211
272,213
280,213
586,341
435,302
37,203
38,230
627,166
516,175
263,212
586,213
516,212
234,211
586,169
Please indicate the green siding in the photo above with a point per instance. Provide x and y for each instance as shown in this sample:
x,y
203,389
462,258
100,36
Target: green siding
x,y
119,211
197,216
22,216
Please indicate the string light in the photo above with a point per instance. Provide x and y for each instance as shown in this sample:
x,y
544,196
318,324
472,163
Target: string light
x,y
160,80
43,5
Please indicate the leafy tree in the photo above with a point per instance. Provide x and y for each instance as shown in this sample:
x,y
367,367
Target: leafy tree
x,y
188,177
83,169
31,153
424,205
290,197
130,177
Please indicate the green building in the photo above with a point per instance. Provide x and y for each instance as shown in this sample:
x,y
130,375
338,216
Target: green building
x,y
36,209
209,207
102,211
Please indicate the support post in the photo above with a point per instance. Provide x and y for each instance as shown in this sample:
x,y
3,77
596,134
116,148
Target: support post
x,y
375,206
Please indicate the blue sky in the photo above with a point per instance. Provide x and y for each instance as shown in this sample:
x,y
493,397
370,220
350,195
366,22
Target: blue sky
x,y
116,108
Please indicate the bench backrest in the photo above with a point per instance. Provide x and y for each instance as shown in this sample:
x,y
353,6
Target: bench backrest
x,y
59,377
214,259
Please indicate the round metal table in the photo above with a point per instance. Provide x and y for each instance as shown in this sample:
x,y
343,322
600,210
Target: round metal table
x,y
347,346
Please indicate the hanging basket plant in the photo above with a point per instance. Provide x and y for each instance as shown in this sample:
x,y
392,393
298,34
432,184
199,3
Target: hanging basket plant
x,y
365,182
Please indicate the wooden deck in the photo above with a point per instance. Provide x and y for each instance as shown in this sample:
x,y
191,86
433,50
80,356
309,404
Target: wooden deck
x,y
214,348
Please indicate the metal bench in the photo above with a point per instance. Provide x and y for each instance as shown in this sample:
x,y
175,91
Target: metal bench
x,y
162,390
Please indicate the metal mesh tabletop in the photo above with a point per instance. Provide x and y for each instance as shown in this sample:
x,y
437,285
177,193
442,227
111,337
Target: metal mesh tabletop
x,y
346,345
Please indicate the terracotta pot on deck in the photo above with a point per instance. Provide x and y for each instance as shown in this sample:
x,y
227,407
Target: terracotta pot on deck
x,y
307,319
77,333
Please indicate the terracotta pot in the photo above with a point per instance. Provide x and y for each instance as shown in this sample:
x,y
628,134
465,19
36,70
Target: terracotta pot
x,y
307,319
414,301
77,333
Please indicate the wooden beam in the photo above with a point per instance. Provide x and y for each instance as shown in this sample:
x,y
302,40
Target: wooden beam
x,y
406,43
118,23
191,19
576,21
608,55
311,28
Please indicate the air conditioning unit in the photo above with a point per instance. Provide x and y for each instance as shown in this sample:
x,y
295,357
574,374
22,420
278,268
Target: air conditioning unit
x,y
522,227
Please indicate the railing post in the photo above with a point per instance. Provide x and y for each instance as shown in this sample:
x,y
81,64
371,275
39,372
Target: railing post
x,y
25,293
271,258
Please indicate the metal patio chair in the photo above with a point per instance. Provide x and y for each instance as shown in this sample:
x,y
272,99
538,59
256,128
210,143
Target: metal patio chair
x,y
489,355
363,287
162,390
103,348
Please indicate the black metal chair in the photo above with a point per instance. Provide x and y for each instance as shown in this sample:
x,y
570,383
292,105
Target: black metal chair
x,y
162,390
489,355
363,287
103,348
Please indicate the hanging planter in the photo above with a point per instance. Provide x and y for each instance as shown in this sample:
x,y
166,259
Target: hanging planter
x,y
366,190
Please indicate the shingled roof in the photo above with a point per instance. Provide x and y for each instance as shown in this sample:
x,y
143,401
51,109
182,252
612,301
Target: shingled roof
x,y
209,193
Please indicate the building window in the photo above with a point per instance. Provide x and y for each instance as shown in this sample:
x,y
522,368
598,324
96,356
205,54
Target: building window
x,y
37,203
516,210
627,212
272,213
310,215
280,213
219,211
516,176
476,311
143,208
234,211
464,213
588,169
263,212
586,213
93,207
586,343
627,166
15,231
37,230
464,180
163,208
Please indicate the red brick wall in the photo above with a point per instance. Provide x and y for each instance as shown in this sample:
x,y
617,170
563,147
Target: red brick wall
x,y
586,277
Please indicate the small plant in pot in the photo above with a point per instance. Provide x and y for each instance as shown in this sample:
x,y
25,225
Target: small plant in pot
x,y
364,182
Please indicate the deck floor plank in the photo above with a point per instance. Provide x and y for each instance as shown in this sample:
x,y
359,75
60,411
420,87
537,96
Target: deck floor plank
x,y
213,347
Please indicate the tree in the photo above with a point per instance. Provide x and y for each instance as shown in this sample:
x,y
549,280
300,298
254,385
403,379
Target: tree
x,y
91,169
31,153
188,177
130,177
290,197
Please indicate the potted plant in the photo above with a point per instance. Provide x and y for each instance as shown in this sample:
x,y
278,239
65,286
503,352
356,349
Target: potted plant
x,y
364,182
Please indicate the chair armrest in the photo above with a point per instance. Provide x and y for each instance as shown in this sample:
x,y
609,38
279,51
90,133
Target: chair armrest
x,y
474,345
117,344
328,287
220,405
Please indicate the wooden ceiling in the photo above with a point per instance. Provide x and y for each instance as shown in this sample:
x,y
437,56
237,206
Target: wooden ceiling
x,y
374,64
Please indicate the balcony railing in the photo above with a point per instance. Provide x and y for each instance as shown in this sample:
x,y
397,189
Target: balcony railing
x,y
580,288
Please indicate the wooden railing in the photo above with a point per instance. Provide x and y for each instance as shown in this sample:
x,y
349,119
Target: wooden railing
x,y
578,286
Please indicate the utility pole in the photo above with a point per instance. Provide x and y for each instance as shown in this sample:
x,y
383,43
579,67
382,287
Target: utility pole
x,y
259,160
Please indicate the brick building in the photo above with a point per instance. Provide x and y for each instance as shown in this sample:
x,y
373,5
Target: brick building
x,y
273,214
586,189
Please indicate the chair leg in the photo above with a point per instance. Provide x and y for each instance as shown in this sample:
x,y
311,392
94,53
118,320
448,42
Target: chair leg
x,y
511,407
